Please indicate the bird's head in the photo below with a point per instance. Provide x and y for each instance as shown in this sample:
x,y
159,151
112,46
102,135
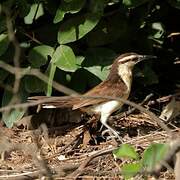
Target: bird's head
x,y
124,64
131,59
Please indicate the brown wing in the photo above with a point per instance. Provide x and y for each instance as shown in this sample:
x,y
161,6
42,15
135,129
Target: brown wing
x,y
106,88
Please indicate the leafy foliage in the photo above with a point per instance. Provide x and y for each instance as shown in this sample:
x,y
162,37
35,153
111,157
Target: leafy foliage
x,y
35,12
75,41
126,151
38,55
131,169
68,7
77,27
64,58
152,156
14,114
4,42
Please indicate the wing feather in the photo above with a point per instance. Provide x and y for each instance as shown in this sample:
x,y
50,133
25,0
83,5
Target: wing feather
x,y
103,89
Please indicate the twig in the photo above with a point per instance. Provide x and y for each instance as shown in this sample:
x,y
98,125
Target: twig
x,y
164,99
38,158
65,147
133,109
173,34
38,74
177,62
22,175
17,53
75,174
32,37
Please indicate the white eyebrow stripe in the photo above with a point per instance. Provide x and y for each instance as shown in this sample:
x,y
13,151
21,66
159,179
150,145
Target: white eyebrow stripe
x,y
127,57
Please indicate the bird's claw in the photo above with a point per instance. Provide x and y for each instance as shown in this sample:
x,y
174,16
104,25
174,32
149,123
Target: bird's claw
x,y
112,135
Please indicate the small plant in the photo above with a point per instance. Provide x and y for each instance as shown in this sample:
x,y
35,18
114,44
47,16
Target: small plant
x,y
137,164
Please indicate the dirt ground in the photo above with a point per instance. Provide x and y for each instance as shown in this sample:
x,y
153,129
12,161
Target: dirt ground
x,y
75,150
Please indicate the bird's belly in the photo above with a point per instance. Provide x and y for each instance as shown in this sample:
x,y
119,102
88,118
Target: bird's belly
x,y
107,107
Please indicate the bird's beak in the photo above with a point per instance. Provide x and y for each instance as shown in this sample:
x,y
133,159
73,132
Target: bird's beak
x,y
144,57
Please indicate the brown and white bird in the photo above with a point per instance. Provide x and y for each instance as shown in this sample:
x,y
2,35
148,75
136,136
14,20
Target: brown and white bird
x,y
117,84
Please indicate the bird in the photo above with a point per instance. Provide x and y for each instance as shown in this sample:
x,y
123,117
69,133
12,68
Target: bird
x,y
117,84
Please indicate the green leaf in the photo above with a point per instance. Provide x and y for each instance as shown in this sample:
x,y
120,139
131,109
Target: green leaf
x,y
97,7
98,56
24,8
158,30
2,24
153,155
98,61
33,84
87,79
109,30
38,56
134,3
79,60
4,42
9,117
8,55
13,116
68,7
100,72
130,170
59,15
77,27
64,58
3,75
125,150
35,12
7,96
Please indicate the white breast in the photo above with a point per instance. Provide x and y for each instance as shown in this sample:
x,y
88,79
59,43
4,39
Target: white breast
x,y
107,107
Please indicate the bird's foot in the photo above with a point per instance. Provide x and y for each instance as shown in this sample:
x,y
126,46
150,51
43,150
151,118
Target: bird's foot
x,y
101,128
112,135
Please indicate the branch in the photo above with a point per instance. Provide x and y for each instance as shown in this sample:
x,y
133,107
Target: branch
x,y
17,53
38,74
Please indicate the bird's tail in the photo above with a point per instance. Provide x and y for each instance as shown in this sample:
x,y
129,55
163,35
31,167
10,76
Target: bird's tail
x,y
54,102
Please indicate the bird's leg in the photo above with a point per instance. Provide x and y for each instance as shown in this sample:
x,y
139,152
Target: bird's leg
x,y
104,119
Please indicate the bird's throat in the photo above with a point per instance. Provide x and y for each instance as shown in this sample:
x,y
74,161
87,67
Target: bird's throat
x,y
125,72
